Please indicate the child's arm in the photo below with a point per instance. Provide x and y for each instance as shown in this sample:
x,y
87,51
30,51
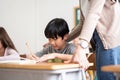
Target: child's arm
x,y
10,54
63,56
10,57
53,56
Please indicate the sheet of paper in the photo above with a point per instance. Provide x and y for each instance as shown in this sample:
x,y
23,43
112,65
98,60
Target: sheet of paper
x,y
26,61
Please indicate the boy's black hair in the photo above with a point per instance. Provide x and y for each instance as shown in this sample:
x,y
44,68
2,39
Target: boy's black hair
x,y
56,27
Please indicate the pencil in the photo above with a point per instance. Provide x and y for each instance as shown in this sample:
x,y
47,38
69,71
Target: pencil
x,y
29,49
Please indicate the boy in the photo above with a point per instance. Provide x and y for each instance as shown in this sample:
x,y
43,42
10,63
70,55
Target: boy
x,y
56,32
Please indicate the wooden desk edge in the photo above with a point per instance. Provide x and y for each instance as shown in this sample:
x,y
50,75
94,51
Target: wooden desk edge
x,y
47,66
39,66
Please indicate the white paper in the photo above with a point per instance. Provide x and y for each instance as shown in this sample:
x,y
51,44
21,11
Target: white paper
x,y
26,61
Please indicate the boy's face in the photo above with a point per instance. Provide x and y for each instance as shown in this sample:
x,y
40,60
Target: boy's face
x,y
58,43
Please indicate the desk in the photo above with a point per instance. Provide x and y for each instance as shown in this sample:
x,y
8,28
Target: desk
x,y
112,68
41,71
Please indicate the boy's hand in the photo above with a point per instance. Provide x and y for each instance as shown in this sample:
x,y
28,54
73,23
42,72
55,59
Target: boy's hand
x,y
32,57
46,57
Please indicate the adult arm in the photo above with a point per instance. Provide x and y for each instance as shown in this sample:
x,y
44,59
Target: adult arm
x,y
87,29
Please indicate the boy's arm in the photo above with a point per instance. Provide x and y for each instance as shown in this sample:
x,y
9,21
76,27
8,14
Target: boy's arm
x,y
37,55
46,57
64,57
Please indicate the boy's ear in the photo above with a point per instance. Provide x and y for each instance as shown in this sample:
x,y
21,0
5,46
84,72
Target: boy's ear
x,y
66,37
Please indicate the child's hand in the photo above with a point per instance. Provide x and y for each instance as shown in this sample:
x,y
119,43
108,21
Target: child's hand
x,y
32,57
46,57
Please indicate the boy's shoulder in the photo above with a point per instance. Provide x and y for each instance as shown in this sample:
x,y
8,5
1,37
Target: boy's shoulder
x,y
70,45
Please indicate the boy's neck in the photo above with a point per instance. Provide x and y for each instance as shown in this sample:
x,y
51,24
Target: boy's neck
x,y
63,46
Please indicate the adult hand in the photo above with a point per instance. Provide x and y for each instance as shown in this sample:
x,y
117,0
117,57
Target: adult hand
x,y
80,57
